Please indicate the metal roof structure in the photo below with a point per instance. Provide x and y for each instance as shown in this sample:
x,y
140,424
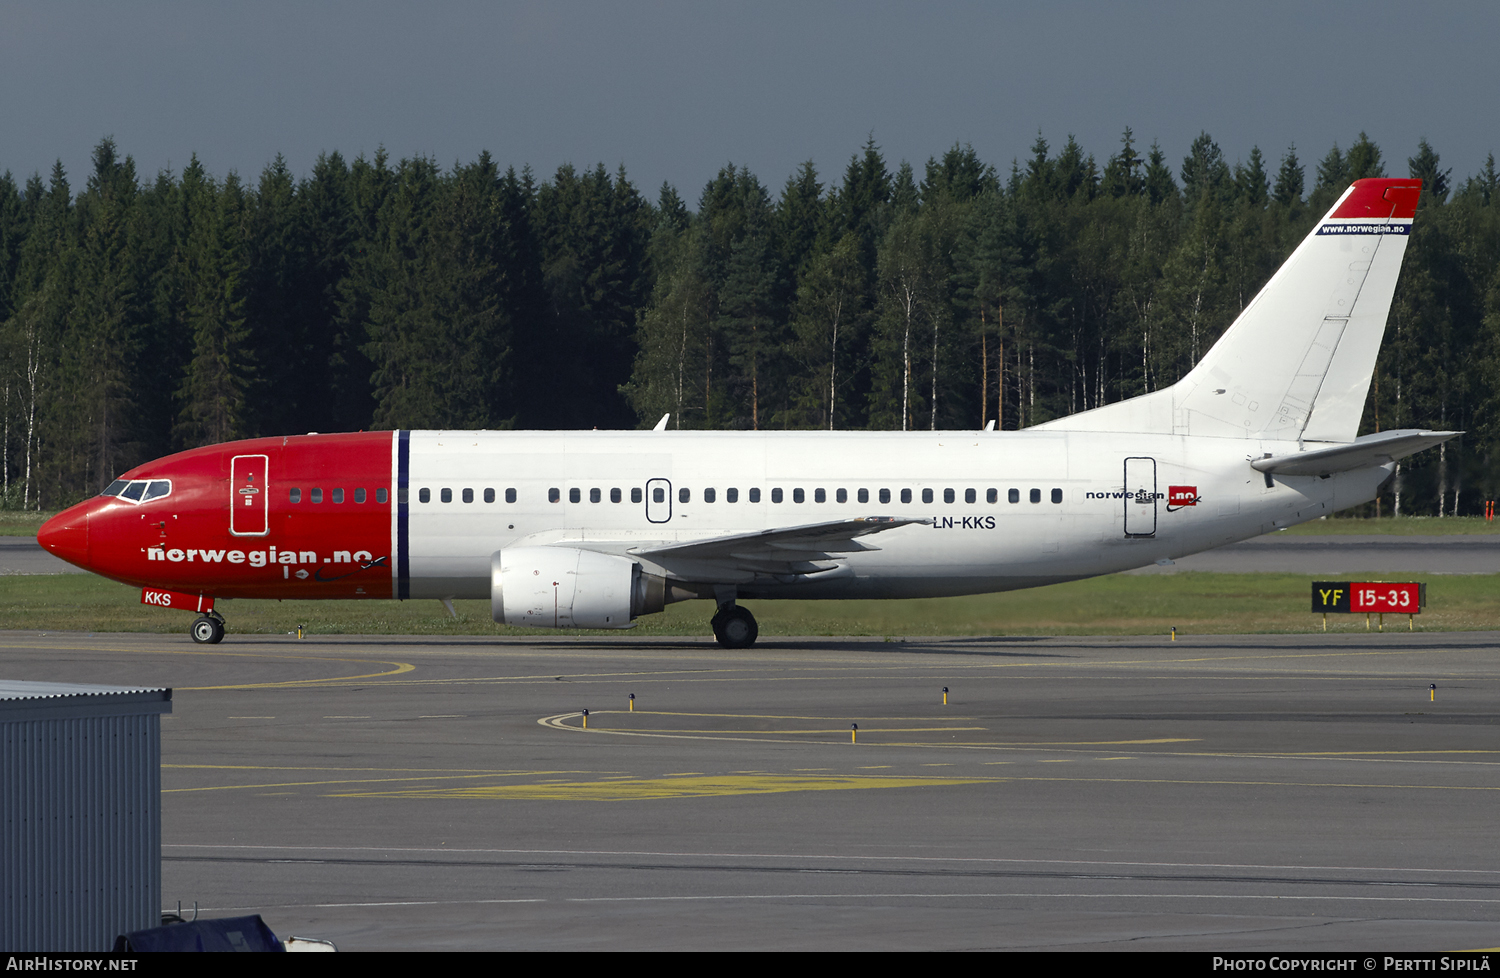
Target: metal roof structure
x,y
80,813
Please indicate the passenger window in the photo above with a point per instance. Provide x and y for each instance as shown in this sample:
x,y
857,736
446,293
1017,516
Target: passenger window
x,y
864,495
296,495
468,495
776,495
489,495
819,496
1014,495
709,495
658,495
992,495
554,495
338,495
575,496
446,495
635,495
926,495
381,495
798,496
1057,495
906,495
596,495
359,495
731,495
683,495
317,495
614,495
510,495
885,495
755,495
842,496
948,495
969,496
1036,495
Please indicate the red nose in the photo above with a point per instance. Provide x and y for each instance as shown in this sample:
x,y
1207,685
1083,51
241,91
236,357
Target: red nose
x,y
67,535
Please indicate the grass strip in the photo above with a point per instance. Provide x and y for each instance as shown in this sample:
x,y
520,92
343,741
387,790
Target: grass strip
x,y
1195,603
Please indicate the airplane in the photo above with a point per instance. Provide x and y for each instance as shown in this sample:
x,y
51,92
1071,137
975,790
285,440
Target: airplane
x,y
593,529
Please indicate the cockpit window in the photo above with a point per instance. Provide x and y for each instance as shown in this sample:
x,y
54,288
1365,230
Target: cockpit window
x,y
139,490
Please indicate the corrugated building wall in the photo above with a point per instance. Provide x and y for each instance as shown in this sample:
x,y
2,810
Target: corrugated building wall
x,y
80,814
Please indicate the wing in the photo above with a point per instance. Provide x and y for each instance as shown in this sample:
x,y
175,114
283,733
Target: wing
x,y
785,552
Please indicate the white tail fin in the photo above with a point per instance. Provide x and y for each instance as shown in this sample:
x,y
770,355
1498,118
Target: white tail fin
x,y
1296,364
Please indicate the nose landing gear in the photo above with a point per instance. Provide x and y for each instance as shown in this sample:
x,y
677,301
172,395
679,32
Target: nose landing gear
x,y
208,629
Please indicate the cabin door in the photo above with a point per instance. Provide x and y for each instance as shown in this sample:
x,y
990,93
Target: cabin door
x,y
249,496
1140,497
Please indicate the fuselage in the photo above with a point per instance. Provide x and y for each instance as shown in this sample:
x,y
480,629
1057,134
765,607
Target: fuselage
x,y
419,514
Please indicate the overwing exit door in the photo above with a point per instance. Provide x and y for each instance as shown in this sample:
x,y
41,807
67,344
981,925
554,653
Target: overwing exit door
x,y
1140,497
249,496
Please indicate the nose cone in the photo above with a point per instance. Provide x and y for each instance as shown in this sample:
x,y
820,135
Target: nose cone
x,y
66,535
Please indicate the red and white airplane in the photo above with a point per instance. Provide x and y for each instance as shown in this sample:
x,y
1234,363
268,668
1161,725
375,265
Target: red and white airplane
x,y
591,529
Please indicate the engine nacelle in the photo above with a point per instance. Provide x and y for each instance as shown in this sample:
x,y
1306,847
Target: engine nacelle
x,y
563,587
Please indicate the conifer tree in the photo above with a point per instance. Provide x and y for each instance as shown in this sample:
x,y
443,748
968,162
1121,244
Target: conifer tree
x,y
215,391
1121,174
1289,179
1425,167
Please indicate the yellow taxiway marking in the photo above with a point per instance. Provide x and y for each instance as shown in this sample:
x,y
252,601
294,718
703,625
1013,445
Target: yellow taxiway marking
x,y
382,770
336,781
1267,784
700,786
666,731
559,722
401,667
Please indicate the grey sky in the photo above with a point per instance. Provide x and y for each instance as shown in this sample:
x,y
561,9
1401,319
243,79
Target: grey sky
x,y
675,90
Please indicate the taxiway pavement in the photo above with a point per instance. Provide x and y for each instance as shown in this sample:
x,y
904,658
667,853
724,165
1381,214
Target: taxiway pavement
x,y
1216,793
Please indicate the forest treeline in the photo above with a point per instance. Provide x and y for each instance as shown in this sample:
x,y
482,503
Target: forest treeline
x,y
139,316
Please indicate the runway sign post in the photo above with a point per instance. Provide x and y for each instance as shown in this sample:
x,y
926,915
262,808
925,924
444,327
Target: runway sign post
x,y
1371,598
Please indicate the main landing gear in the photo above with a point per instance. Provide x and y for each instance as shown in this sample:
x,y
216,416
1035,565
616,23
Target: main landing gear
x,y
208,629
735,627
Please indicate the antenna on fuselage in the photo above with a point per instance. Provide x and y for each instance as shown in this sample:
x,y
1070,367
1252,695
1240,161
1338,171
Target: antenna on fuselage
x,y
662,424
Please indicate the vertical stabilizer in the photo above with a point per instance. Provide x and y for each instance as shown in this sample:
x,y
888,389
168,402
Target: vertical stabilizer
x,y
1296,364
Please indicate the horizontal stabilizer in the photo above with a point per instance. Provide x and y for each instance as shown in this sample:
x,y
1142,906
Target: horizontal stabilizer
x,y
1362,453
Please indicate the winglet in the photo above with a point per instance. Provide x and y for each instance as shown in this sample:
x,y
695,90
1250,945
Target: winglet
x,y
662,424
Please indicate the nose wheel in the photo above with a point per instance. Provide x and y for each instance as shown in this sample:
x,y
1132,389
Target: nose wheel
x,y
207,630
735,627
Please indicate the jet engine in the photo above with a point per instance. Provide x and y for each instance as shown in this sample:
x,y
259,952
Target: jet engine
x,y
563,587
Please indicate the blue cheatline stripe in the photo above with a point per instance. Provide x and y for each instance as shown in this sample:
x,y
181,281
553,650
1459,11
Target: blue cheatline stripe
x,y
403,531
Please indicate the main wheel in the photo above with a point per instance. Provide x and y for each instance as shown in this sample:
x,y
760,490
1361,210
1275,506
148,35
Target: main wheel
x,y
735,628
207,630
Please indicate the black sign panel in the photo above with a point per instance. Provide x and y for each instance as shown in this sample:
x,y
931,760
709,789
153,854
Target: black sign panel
x,y
1331,597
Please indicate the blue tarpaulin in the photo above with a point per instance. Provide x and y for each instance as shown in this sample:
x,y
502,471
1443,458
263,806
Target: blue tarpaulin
x,y
223,934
